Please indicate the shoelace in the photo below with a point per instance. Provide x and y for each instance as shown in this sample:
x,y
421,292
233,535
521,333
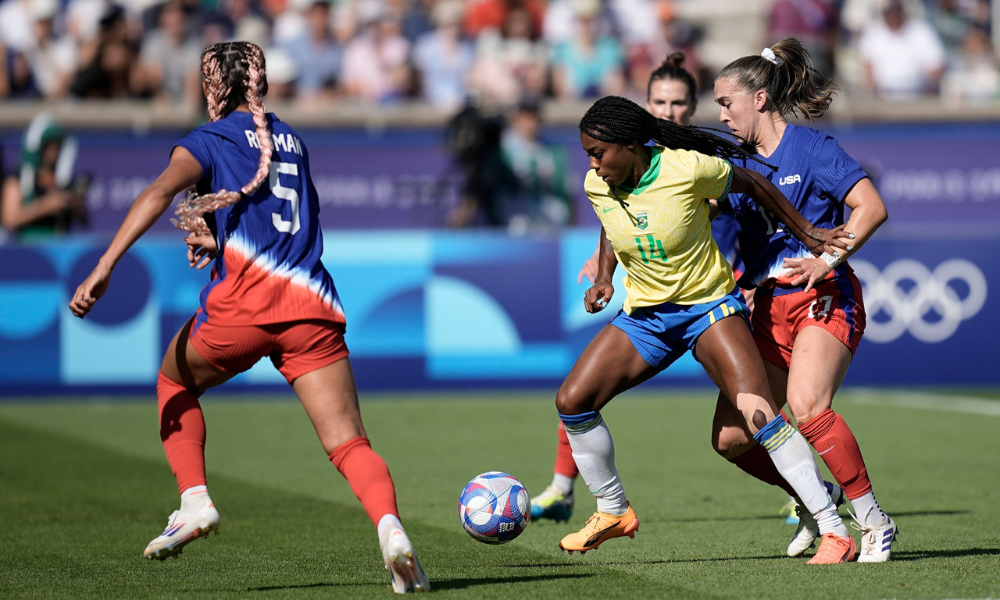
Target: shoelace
x,y
867,533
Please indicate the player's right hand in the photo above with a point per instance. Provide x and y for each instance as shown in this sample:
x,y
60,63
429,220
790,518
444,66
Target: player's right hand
x,y
90,291
833,241
201,250
597,297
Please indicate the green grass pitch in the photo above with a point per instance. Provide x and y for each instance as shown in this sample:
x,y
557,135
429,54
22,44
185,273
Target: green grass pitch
x,y
84,487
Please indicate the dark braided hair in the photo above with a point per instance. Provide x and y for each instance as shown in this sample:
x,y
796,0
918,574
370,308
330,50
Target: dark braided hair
x,y
618,120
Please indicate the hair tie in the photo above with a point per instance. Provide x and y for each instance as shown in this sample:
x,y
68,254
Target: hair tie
x,y
770,57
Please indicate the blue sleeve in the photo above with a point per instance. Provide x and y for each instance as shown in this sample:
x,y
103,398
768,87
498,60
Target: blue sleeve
x,y
833,170
197,143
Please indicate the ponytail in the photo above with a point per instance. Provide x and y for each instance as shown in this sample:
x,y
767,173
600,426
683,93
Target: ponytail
x,y
785,71
235,73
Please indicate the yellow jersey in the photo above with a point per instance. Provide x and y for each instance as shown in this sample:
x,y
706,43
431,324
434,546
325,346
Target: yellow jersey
x,y
663,237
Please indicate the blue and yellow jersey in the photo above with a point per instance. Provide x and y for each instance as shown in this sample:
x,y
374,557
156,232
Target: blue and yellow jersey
x,y
663,238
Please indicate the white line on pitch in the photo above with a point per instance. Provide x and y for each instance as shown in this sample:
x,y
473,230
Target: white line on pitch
x,y
924,401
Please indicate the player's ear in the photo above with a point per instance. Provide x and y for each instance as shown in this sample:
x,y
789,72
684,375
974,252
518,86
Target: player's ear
x,y
760,99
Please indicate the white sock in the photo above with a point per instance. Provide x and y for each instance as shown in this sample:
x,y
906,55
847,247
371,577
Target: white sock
x,y
594,453
194,498
867,510
793,458
386,522
563,483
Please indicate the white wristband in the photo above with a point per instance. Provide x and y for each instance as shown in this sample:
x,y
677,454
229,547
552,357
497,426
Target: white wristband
x,y
832,260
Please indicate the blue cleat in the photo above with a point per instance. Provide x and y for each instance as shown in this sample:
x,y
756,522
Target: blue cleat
x,y
552,504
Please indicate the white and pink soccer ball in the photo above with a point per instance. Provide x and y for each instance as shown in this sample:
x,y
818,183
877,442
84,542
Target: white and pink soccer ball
x,y
494,508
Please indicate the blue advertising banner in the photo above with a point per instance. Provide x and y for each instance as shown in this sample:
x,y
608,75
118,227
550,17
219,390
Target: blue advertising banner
x,y
945,175
431,309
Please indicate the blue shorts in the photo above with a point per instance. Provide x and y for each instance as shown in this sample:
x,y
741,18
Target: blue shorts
x,y
661,334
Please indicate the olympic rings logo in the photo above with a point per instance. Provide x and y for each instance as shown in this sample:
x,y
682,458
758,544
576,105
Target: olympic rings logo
x,y
926,304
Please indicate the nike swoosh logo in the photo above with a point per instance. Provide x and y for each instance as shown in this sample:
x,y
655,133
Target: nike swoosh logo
x,y
827,450
597,536
607,210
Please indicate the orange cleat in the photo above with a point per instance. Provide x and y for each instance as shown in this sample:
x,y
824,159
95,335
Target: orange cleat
x,y
834,550
600,528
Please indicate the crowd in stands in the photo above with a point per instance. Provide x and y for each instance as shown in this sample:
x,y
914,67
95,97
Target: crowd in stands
x,y
384,51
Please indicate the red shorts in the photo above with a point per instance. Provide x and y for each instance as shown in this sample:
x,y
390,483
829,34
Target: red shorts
x,y
294,348
834,305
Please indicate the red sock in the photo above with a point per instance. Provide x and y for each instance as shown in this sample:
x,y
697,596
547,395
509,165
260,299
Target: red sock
x,y
368,477
565,465
182,431
756,463
837,446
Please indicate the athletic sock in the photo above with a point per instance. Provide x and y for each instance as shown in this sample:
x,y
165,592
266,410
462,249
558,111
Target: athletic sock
x,y
368,476
867,510
386,522
836,444
182,431
563,484
194,498
565,465
756,463
594,453
794,461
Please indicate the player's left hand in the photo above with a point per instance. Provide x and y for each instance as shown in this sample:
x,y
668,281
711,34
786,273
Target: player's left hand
x,y
833,241
201,250
806,270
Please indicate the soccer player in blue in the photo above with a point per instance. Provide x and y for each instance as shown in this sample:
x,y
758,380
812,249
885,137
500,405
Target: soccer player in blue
x,y
269,296
808,316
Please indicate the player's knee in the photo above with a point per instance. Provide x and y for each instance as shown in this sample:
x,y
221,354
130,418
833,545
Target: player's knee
x,y
571,399
806,405
730,442
755,409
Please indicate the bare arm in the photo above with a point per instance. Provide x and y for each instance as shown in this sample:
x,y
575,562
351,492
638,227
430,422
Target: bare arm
x,y
182,173
757,186
867,215
16,214
597,297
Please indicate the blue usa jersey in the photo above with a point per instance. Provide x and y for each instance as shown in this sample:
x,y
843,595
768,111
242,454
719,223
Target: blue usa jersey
x,y
815,174
268,269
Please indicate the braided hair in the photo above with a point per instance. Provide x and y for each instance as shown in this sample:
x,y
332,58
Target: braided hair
x,y
618,120
234,73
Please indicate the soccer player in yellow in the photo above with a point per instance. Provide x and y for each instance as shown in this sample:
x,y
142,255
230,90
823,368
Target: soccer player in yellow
x,y
680,296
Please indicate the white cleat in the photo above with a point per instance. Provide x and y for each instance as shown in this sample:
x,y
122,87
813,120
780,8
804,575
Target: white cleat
x,y
401,562
807,531
876,540
182,529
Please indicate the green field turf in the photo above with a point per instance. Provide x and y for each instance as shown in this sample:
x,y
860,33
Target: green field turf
x,y
84,487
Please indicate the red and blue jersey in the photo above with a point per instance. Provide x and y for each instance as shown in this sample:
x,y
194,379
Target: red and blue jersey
x,y
268,269
815,174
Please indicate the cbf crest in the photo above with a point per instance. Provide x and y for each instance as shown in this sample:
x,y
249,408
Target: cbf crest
x,y
642,220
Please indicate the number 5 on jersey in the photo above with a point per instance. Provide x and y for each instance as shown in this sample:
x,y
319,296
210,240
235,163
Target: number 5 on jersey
x,y
285,193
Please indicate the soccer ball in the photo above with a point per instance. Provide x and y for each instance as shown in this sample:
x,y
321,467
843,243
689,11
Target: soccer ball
x,y
494,508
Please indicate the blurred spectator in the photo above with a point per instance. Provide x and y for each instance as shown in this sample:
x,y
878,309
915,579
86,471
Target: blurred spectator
x,y
539,199
376,61
972,76
316,55
247,22
419,18
903,58
472,139
17,25
16,80
812,22
52,60
45,196
443,58
106,60
590,64
492,14
953,19
281,75
169,63
510,63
